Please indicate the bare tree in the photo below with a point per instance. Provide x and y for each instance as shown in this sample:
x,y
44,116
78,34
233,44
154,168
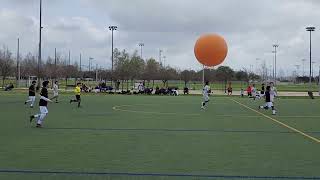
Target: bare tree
x,y
6,64
29,66
168,73
187,75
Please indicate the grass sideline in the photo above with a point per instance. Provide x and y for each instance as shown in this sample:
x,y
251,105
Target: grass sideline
x,y
159,137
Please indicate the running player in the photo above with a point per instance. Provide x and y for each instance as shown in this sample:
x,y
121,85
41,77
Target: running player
x,y
43,103
32,94
77,91
205,92
269,101
55,89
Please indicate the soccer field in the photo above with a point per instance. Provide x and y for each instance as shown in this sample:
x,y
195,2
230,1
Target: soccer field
x,y
160,137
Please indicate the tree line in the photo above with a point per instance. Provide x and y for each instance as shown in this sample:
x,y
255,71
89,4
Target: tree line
x,y
127,68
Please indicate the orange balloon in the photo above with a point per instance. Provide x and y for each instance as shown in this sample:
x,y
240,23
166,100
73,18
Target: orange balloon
x,y
211,50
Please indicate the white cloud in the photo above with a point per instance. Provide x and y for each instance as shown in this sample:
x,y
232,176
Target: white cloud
x,y
249,26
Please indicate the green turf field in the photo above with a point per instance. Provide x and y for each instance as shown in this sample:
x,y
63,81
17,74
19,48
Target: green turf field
x,y
151,137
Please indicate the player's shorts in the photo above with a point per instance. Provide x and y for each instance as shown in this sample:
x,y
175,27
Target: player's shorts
x,y
78,97
206,98
43,110
268,104
32,98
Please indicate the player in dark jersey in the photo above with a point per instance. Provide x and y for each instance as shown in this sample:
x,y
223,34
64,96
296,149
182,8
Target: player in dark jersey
x,y
269,101
43,103
32,94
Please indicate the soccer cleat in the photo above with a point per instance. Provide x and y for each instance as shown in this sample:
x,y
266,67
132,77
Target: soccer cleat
x,y
38,126
70,101
25,102
31,106
274,112
31,118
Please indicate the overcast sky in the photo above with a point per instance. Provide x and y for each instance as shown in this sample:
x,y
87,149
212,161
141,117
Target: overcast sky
x,y
250,27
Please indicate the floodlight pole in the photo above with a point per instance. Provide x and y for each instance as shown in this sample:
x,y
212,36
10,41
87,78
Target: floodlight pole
x,y
319,80
160,55
141,46
275,63
112,28
40,36
96,72
80,62
90,62
203,75
55,63
310,29
18,63
69,63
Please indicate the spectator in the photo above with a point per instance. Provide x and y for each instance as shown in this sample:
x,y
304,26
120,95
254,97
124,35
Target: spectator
x,y
9,87
185,90
249,91
262,89
229,89
242,92
141,88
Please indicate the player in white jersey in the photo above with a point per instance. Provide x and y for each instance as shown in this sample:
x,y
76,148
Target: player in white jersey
x,y
254,91
55,89
205,92
273,91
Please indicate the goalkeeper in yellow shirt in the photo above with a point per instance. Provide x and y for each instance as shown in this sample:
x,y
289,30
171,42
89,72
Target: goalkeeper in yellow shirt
x,y
77,91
